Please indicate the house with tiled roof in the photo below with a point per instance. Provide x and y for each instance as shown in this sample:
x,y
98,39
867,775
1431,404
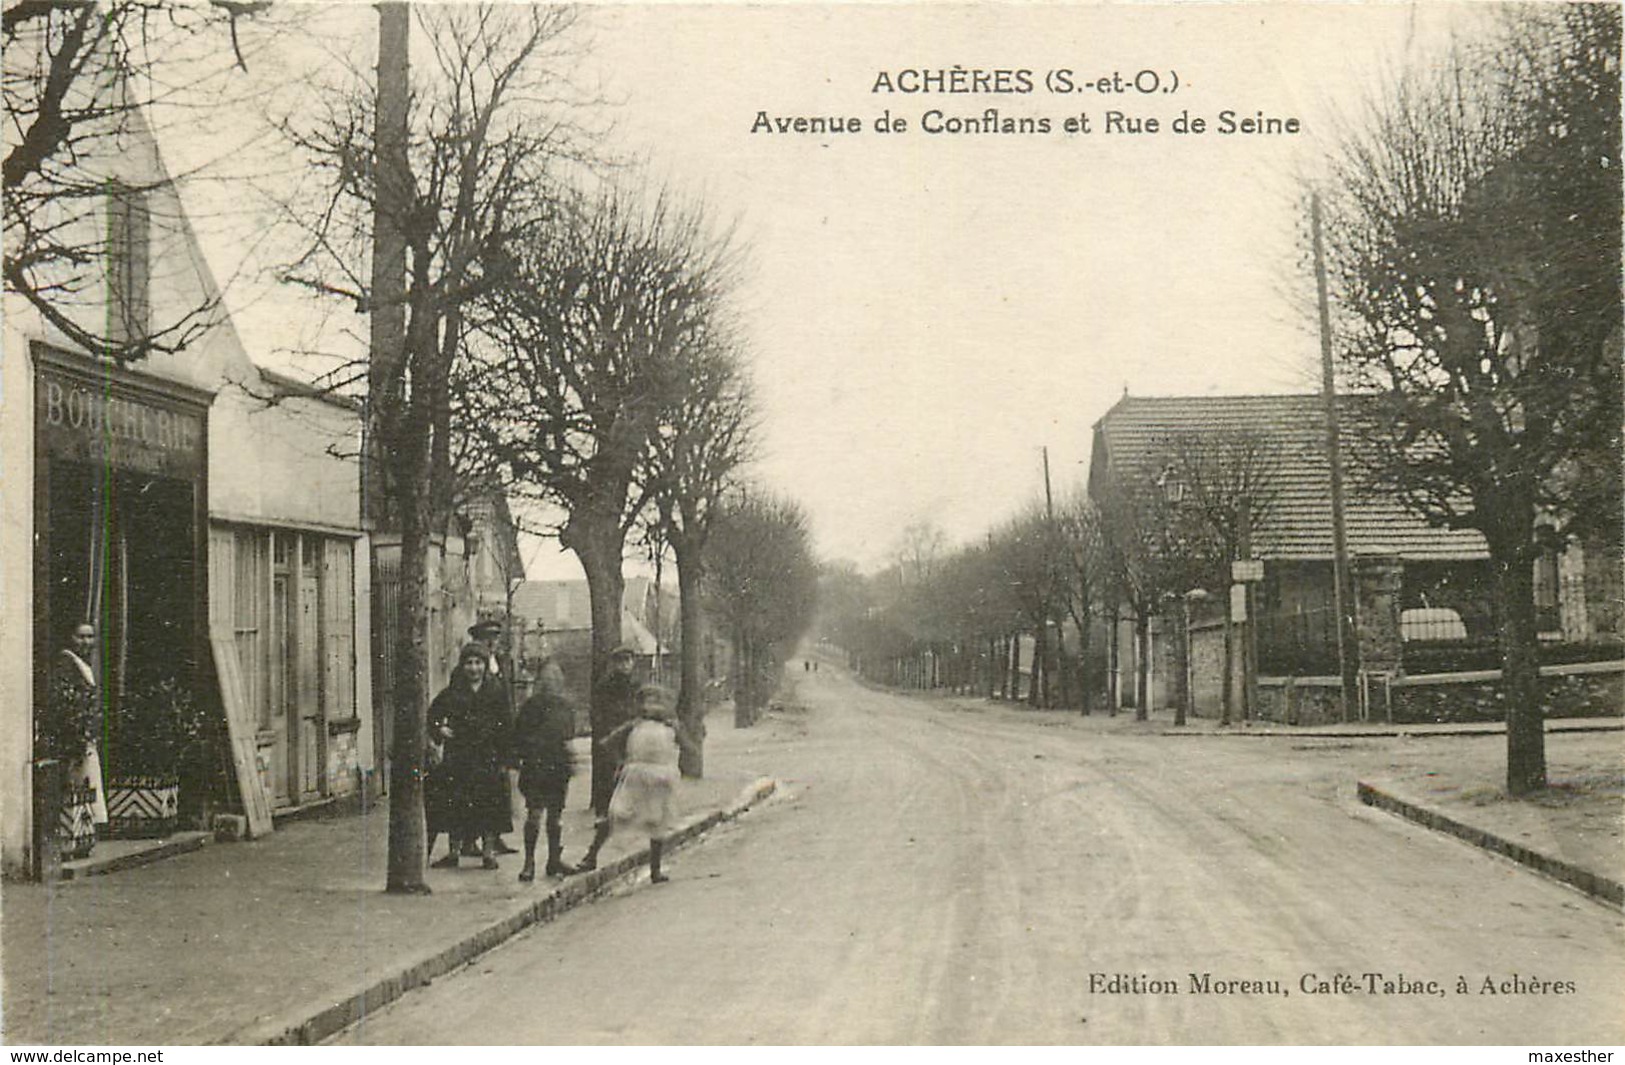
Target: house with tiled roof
x,y
558,607
1435,582
553,620
1131,438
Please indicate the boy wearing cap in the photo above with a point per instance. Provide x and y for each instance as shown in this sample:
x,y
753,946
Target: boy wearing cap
x,y
614,703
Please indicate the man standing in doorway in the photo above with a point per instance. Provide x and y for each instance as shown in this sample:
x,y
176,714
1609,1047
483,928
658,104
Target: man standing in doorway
x,y
614,703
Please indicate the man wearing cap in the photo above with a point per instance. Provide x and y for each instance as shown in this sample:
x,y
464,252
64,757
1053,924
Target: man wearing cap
x,y
487,633
614,703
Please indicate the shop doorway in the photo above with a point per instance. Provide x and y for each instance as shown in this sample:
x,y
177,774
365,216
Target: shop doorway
x,y
122,555
297,723
120,512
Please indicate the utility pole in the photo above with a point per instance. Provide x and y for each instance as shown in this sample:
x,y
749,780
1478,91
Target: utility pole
x,y
1049,497
386,303
386,395
1348,648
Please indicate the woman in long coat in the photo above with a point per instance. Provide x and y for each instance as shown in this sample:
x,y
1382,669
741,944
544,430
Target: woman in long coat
x,y
468,793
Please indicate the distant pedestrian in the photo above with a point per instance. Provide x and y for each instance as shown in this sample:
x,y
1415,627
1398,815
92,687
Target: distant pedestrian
x,y
614,703
470,793
541,747
645,796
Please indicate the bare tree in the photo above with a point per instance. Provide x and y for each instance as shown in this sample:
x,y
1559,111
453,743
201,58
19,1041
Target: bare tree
x,y
1216,482
456,180
919,548
1473,227
1026,553
80,85
763,581
610,310
705,433
1141,543
1083,577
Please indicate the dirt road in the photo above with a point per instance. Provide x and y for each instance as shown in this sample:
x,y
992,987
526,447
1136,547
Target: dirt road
x,y
939,876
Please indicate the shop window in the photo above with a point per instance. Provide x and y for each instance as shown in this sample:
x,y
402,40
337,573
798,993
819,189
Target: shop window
x,y
129,239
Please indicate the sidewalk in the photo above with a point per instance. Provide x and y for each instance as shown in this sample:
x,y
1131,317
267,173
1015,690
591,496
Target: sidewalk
x,y
246,942
1161,722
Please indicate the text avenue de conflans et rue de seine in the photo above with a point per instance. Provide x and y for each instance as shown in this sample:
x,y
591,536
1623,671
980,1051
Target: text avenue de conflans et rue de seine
x,y
1137,107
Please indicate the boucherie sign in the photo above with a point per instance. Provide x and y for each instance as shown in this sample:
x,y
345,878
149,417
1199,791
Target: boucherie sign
x,y
115,423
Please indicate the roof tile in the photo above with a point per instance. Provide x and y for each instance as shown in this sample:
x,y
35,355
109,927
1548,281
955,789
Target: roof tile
x,y
1299,523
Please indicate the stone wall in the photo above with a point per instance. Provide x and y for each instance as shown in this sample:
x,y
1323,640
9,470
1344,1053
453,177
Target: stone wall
x,y
1461,697
1300,701
1564,693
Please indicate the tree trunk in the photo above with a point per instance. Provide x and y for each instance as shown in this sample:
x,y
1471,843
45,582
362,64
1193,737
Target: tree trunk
x,y
992,667
1520,670
409,448
1114,664
1038,676
597,541
1064,690
1142,672
742,680
1085,689
690,689
408,845
1182,670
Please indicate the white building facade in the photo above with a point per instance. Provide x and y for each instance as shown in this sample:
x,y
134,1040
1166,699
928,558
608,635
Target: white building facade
x,y
187,504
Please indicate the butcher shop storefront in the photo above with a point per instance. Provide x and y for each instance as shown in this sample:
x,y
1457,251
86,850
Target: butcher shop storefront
x,y
121,519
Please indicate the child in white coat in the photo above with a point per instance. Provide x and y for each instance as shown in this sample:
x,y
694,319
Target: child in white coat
x,y
645,794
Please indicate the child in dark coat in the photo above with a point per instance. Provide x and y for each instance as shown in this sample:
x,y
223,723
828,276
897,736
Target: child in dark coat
x,y
542,735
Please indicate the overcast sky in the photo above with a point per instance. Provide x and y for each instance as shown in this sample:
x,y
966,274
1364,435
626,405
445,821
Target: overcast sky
x,y
929,310
926,311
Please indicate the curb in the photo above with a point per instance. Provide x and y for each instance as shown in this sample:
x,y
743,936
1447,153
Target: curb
x,y
1599,887
182,843
1391,732
337,1016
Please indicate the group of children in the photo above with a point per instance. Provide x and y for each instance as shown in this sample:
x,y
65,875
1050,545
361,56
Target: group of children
x,y
645,787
